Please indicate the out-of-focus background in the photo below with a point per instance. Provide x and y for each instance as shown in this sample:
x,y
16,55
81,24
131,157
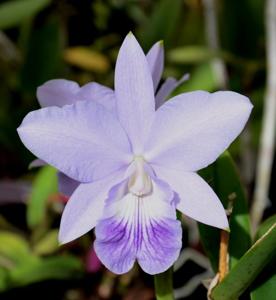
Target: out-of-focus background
x,y
221,44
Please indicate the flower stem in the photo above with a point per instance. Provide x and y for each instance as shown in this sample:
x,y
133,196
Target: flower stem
x,y
163,283
223,254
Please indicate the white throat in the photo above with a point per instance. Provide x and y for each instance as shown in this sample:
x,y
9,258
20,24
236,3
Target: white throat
x,y
139,182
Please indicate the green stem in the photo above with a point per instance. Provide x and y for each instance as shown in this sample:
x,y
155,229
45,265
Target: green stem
x,y
163,283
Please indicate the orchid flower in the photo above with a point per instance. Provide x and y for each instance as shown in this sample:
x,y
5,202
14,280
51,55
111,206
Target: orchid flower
x,y
137,165
60,92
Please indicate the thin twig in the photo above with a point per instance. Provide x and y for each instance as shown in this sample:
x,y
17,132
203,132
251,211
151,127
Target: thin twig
x,y
193,283
267,140
192,255
213,41
190,286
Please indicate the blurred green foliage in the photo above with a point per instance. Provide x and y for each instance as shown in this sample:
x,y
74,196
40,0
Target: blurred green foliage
x,y
19,265
13,13
44,186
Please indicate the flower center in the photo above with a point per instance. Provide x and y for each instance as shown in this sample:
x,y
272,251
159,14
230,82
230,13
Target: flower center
x,y
139,182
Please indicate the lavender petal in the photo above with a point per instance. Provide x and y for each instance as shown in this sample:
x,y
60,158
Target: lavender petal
x,y
155,58
191,130
82,140
60,92
167,88
66,185
194,197
85,207
143,229
134,92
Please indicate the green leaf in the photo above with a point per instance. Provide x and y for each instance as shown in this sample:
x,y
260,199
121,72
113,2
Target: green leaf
x,y
265,285
43,59
57,267
47,244
265,226
190,55
13,249
3,279
224,179
13,13
194,55
45,185
164,285
162,22
238,28
202,78
247,268
266,290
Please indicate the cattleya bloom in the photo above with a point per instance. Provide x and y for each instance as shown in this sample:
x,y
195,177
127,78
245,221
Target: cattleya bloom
x,y
136,165
60,92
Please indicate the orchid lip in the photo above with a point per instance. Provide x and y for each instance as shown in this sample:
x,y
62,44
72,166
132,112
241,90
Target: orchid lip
x,y
139,182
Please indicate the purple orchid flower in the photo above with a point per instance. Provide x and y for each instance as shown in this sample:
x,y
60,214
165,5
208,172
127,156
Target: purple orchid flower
x,y
137,165
60,92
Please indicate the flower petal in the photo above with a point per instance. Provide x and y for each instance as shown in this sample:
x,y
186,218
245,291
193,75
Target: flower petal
x,y
191,130
83,140
60,92
57,92
85,207
134,92
155,58
167,88
142,228
66,185
37,163
195,197
101,94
